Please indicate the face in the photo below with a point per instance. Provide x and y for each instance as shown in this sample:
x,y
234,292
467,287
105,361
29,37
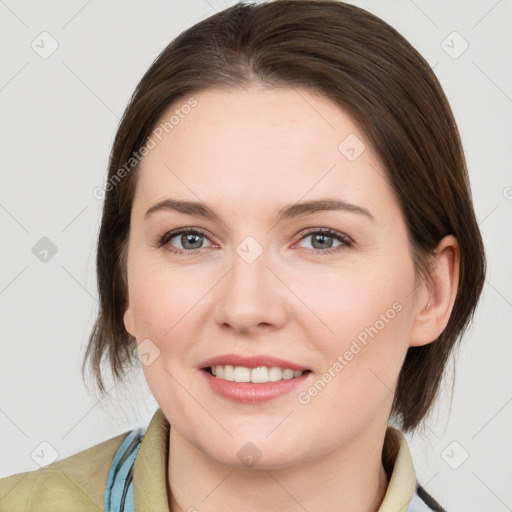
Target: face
x,y
329,291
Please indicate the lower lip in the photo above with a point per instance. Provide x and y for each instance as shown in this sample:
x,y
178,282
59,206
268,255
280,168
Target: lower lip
x,y
251,393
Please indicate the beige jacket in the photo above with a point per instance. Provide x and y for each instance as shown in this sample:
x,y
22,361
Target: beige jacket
x,y
77,483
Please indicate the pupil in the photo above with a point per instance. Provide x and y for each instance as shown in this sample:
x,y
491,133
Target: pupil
x,y
187,238
322,237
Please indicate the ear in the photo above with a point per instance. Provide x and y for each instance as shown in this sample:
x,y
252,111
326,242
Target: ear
x,y
436,295
128,318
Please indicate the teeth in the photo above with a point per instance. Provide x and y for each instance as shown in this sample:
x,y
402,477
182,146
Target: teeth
x,y
229,372
242,374
287,374
258,375
275,373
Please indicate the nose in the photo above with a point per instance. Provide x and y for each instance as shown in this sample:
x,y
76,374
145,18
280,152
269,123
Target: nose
x,y
251,297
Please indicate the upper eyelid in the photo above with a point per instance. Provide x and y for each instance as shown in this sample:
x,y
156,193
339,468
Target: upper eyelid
x,y
169,235
328,231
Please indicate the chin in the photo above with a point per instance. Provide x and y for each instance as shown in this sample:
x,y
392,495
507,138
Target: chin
x,y
254,461
258,455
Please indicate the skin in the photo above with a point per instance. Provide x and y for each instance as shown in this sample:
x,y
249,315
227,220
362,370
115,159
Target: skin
x,y
246,154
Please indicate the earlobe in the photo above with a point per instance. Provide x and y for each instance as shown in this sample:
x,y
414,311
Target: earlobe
x,y
128,319
432,315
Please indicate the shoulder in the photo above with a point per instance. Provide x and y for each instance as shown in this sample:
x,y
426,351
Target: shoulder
x,y
74,483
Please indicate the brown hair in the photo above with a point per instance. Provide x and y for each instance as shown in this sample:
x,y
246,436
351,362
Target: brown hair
x,y
367,68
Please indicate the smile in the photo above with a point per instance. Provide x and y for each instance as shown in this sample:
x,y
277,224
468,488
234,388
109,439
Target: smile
x,y
258,375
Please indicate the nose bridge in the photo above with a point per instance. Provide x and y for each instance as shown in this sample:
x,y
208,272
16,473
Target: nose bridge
x,y
249,268
249,295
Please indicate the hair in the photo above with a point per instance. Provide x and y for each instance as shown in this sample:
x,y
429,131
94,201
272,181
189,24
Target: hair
x,y
370,71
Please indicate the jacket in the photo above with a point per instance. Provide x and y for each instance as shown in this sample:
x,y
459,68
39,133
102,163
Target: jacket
x,y
132,469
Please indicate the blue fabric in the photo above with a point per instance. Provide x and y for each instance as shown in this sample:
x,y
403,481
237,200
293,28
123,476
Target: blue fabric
x,y
118,495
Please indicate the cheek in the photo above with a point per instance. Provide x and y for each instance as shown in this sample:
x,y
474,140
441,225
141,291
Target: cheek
x,y
364,319
165,304
348,302
163,309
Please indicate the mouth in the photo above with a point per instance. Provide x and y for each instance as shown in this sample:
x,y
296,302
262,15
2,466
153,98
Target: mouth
x,y
255,385
253,379
257,375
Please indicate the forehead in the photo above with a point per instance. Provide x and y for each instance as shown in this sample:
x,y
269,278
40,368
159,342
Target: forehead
x,y
257,146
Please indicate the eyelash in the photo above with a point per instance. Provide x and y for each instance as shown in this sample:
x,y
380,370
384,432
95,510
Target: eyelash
x,y
346,241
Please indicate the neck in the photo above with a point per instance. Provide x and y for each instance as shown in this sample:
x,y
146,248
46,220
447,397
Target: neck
x,y
349,478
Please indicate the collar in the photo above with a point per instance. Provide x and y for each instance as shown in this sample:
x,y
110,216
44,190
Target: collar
x,y
151,483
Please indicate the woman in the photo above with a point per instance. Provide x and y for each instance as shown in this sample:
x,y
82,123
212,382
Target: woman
x,y
289,247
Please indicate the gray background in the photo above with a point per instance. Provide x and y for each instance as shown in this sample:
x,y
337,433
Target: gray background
x,y
59,116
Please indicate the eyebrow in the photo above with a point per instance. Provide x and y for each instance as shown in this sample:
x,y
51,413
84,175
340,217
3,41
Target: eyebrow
x,y
287,212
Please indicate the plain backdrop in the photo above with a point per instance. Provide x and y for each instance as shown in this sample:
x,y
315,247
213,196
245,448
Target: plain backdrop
x,y
67,71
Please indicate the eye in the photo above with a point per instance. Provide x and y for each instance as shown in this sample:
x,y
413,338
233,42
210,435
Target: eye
x,y
322,240
189,239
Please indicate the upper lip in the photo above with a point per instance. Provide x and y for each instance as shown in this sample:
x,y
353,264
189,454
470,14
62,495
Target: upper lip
x,y
251,361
